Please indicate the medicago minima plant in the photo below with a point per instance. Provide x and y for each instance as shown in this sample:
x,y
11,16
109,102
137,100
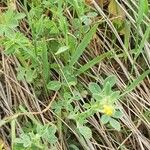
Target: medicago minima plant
x,y
102,103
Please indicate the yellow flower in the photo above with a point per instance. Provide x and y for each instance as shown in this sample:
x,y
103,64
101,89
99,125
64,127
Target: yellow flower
x,y
108,110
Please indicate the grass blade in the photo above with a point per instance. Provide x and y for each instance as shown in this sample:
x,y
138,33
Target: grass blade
x,y
143,9
93,62
145,37
86,40
136,82
13,133
45,63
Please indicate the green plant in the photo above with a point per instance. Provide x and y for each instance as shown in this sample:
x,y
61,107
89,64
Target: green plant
x,y
103,101
9,21
33,139
54,48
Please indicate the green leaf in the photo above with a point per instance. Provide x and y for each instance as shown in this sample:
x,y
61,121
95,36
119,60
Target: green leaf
x,y
9,21
61,50
94,88
118,114
72,81
49,134
97,97
114,96
54,85
67,96
81,47
24,139
16,42
115,124
86,20
107,88
21,73
105,119
85,131
136,82
111,79
92,14
76,95
45,62
30,75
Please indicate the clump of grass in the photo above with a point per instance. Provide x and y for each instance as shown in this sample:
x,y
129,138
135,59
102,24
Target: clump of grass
x,y
74,75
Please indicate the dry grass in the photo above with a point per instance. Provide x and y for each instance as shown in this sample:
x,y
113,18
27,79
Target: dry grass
x,y
135,133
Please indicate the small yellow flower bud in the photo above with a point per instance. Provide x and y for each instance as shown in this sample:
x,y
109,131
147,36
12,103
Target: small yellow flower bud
x,y
108,110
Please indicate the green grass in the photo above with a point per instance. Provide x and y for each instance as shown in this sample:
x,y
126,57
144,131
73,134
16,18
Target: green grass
x,y
74,75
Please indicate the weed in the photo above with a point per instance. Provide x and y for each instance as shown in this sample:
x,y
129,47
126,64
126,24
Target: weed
x,y
86,54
